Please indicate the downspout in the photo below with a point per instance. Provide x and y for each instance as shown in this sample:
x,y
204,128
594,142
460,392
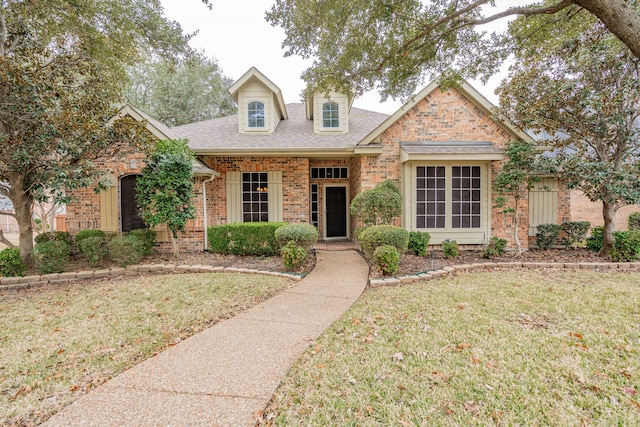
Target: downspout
x,y
204,206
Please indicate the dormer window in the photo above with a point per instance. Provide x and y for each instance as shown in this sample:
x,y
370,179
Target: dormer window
x,y
330,115
256,114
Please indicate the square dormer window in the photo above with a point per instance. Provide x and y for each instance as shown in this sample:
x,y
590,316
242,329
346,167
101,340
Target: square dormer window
x,y
255,114
330,115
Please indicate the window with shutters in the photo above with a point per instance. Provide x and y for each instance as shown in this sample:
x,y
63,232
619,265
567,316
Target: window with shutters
x,y
255,197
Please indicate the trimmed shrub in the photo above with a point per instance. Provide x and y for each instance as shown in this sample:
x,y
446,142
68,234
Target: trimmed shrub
x,y
126,250
51,256
11,263
575,232
626,246
596,240
85,234
450,249
301,233
293,256
633,221
57,236
357,232
147,238
94,248
387,258
496,247
249,238
378,235
418,242
379,205
547,235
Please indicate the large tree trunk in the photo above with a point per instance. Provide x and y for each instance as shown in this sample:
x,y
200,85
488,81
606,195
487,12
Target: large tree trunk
x,y
609,215
620,17
22,204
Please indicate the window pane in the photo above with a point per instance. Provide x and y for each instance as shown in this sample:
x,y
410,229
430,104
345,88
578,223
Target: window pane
x,y
430,196
466,197
255,194
330,115
421,171
255,114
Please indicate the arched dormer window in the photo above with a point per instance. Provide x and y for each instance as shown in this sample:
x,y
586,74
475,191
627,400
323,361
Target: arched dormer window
x,y
255,114
330,115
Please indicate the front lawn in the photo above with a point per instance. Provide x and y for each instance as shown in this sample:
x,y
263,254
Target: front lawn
x,y
59,342
502,348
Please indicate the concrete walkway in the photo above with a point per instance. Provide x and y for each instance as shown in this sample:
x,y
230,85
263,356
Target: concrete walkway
x,y
224,375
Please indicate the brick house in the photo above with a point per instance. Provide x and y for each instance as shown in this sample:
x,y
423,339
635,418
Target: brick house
x,y
304,162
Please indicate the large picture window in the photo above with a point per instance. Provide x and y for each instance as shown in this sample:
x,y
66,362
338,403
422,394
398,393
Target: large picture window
x,y
255,197
330,115
465,197
256,114
431,197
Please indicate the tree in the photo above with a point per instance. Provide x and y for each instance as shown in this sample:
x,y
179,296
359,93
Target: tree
x,y
176,93
516,177
62,67
361,45
165,191
582,92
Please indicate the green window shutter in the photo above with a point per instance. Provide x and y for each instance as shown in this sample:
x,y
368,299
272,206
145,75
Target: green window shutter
x,y
234,197
275,196
109,209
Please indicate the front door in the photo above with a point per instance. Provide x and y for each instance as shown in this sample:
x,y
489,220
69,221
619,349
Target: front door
x,y
128,206
336,211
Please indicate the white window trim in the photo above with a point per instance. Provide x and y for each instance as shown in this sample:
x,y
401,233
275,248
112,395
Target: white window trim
x,y
264,119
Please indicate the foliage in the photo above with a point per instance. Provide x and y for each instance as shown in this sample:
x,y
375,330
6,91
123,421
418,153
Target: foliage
x,y
249,238
450,249
126,250
191,90
361,45
11,263
357,232
62,69
595,241
51,256
633,221
418,242
547,235
147,237
516,176
379,205
293,256
579,91
94,248
575,232
496,247
626,246
387,259
85,234
301,233
57,236
378,235
165,190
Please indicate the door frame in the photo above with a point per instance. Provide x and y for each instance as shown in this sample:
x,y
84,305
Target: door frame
x,y
324,211
120,210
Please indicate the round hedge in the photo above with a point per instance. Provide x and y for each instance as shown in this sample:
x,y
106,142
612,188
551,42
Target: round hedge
x,y
378,235
302,233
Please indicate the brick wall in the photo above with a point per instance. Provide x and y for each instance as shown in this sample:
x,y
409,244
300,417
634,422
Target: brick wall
x,y
583,209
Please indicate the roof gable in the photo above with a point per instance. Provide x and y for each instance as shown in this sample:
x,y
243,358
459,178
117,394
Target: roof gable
x,y
467,91
255,74
156,127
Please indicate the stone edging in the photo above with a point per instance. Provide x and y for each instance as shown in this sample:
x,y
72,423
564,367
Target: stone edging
x,y
491,266
12,283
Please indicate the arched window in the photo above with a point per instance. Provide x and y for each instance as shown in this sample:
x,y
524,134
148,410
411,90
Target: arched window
x,y
255,114
330,115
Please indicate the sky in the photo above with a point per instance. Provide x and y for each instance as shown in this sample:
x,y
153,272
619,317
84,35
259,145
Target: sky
x,y
237,35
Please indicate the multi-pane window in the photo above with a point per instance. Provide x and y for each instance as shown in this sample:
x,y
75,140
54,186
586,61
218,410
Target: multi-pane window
x,y
255,197
314,205
430,197
329,172
465,197
256,114
330,115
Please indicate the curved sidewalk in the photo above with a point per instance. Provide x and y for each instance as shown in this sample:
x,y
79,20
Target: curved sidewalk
x,y
225,374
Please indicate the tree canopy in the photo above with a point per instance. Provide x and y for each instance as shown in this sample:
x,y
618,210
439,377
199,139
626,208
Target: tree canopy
x,y
579,90
361,45
180,92
62,69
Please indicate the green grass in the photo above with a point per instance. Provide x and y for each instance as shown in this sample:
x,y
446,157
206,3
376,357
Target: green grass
x,y
507,348
58,343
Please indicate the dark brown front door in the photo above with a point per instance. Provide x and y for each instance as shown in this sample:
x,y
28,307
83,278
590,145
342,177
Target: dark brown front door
x,y
128,207
336,211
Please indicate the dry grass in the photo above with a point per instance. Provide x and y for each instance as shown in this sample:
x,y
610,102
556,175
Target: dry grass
x,y
57,343
507,348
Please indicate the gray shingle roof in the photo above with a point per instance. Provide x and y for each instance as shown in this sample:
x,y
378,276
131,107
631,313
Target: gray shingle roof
x,y
453,147
294,135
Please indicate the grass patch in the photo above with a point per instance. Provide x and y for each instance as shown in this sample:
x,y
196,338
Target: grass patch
x,y
504,348
58,343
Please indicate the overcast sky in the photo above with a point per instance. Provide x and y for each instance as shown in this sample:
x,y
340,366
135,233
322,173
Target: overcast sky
x,y
237,35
